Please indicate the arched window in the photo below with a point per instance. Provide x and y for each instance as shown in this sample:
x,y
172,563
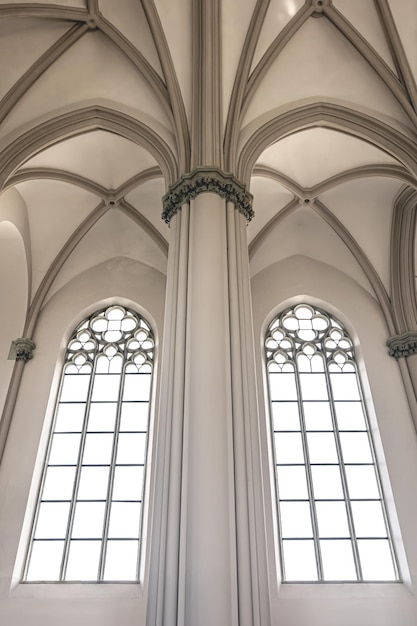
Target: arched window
x,y
332,520
87,525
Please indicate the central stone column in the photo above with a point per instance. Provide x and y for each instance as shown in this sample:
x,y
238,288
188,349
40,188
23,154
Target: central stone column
x,y
205,541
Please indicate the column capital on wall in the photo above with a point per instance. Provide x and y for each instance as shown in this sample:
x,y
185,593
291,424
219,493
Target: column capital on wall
x,y
21,349
403,345
207,180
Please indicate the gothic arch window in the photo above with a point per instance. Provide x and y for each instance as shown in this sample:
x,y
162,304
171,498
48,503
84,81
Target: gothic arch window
x,y
87,525
332,519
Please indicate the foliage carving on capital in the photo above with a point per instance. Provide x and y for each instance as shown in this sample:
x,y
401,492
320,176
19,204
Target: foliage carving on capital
x,y
207,180
403,345
22,349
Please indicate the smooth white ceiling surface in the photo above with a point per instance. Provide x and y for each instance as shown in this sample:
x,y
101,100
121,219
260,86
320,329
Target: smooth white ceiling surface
x,y
310,157
100,102
103,157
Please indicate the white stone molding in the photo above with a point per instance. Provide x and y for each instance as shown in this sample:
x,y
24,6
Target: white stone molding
x,y
207,180
403,291
21,349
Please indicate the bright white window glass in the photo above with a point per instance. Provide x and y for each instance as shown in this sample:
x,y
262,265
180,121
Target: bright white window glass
x,y
70,417
59,483
326,482
317,415
332,519
299,561
128,483
134,416
285,416
121,560
45,562
296,520
376,559
87,524
102,416
292,482
88,520
83,560
289,448
124,520
52,520
94,483
337,559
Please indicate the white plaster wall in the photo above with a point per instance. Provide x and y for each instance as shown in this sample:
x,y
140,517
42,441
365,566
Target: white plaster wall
x,y
300,278
119,280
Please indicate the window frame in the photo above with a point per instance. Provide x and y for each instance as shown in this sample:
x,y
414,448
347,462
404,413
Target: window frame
x,y
113,464
359,372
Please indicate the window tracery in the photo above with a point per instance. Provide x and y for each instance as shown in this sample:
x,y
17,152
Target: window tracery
x,y
332,519
87,525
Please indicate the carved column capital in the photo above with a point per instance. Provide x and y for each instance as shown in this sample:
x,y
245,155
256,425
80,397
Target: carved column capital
x,y
403,345
207,180
22,349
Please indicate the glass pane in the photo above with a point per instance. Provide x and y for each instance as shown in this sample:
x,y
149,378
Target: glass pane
x,y
355,448
106,387
299,560
134,416
313,387
52,520
131,448
327,483
282,386
98,449
45,560
332,519
350,416
322,448
70,417
75,388
83,560
361,481
376,559
317,416
317,364
102,416
64,449
124,520
285,416
121,560
295,520
116,364
344,386
93,483
136,387
59,483
88,520
292,483
289,448
337,559
369,520
128,483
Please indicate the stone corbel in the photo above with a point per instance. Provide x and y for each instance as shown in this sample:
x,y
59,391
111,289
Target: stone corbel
x,y
403,345
207,180
21,349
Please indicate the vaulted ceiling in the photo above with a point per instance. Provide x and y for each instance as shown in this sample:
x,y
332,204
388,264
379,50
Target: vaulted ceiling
x,y
99,106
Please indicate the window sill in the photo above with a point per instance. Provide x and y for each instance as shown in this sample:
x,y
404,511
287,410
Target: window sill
x,y
305,590
69,590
